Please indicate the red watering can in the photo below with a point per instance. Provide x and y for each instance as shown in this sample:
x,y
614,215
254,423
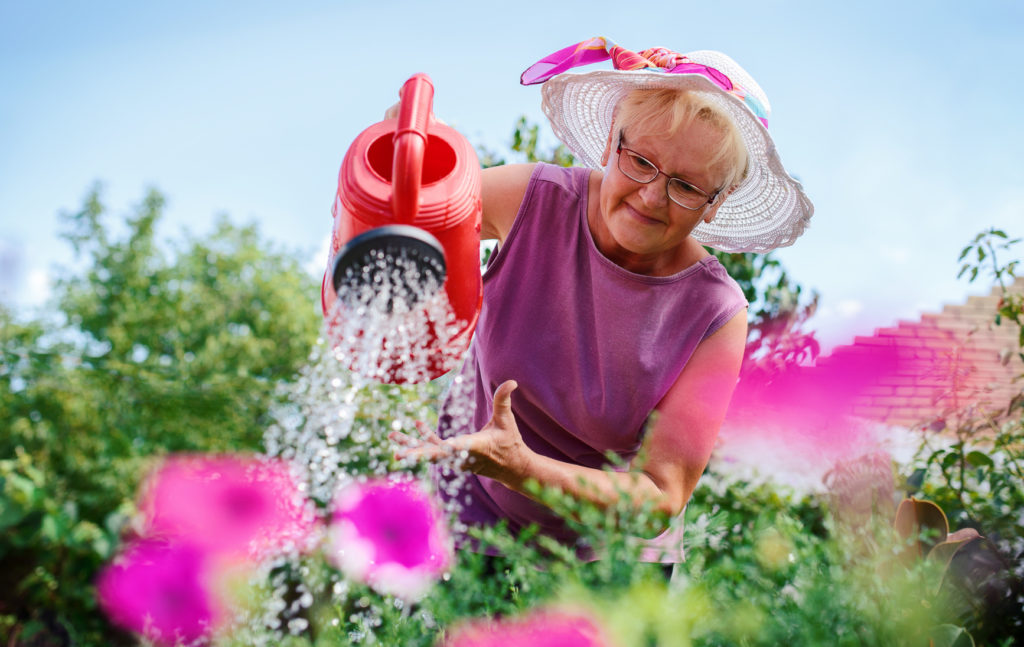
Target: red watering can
x,y
409,195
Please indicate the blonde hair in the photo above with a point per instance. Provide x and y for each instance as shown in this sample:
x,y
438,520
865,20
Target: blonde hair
x,y
666,110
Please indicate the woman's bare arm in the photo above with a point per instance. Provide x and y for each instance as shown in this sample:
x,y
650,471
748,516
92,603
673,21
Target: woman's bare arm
x,y
502,193
676,448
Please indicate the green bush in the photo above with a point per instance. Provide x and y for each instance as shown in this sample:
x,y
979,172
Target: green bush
x,y
147,351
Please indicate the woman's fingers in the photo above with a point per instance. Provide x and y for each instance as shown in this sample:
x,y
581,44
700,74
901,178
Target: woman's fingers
x,y
423,452
403,439
486,451
425,445
427,433
502,415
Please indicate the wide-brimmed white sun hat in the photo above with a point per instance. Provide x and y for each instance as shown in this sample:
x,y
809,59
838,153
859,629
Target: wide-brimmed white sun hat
x,y
768,209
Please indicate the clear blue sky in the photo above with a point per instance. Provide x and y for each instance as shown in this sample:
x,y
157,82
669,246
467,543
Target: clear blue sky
x,y
901,118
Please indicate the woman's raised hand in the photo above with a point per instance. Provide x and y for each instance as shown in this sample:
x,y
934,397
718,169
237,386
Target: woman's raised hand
x,y
496,451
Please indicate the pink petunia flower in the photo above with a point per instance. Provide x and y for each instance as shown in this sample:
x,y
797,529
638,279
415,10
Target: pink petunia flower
x,y
229,505
389,534
538,629
159,589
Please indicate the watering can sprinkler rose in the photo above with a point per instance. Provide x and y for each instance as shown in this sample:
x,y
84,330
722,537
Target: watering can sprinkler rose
x,y
407,218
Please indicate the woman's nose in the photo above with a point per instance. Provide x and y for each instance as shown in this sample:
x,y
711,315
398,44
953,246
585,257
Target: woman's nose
x,y
655,192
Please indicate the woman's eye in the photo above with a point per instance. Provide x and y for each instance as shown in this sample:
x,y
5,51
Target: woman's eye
x,y
685,189
642,163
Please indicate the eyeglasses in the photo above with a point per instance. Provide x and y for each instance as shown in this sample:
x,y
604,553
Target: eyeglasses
x,y
639,169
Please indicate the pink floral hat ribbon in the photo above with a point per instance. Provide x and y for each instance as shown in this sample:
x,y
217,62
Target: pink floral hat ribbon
x,y
657,59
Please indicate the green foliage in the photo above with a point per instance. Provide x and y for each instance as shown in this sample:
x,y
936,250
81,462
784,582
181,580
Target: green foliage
x,y
526,148
147,351
981,469
983,252
971,463
763,568
984,248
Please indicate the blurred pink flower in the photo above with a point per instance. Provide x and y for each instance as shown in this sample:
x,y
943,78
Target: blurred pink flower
x,y
228,505
538,629
159,589
389,534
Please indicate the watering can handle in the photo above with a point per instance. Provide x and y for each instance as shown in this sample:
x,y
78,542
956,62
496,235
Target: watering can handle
x,y
410,143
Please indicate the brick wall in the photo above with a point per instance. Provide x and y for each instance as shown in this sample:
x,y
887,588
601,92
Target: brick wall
x,y
870,394
918,371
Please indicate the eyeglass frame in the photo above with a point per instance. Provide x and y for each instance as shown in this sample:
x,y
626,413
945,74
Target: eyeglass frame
x,y
711,199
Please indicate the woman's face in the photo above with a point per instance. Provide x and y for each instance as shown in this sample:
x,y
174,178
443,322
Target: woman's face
x,y
638,226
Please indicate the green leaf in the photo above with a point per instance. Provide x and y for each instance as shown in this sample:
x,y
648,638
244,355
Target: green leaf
x,y
51,529
11,513
950,459
979,459
916,480
19,496
30,629
949,636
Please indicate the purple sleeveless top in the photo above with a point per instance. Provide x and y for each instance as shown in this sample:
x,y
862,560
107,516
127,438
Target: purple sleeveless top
x,y
593,346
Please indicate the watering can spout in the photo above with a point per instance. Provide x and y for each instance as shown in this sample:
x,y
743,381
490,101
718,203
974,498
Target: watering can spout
x,y
405,258
407,216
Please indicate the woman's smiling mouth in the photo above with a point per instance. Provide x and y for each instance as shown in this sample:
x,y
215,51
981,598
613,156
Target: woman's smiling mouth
x,y
640,216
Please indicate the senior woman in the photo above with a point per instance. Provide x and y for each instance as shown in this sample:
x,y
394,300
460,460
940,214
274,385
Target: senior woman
x,y
606,324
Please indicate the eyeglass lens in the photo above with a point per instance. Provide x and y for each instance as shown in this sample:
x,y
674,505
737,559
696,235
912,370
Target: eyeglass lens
x,y
640,169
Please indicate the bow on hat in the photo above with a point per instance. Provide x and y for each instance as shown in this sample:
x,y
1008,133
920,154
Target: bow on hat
x,y
658,59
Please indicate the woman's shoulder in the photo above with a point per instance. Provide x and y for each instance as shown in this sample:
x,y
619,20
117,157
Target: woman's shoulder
x,y
719,281
506,186
502,191
572,179
517,177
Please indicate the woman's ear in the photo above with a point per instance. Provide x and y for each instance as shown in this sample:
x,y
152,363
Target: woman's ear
x,y
710,214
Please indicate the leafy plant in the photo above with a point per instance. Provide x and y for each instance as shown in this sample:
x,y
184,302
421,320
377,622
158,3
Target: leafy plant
x,y
987,246
146,350
971,463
